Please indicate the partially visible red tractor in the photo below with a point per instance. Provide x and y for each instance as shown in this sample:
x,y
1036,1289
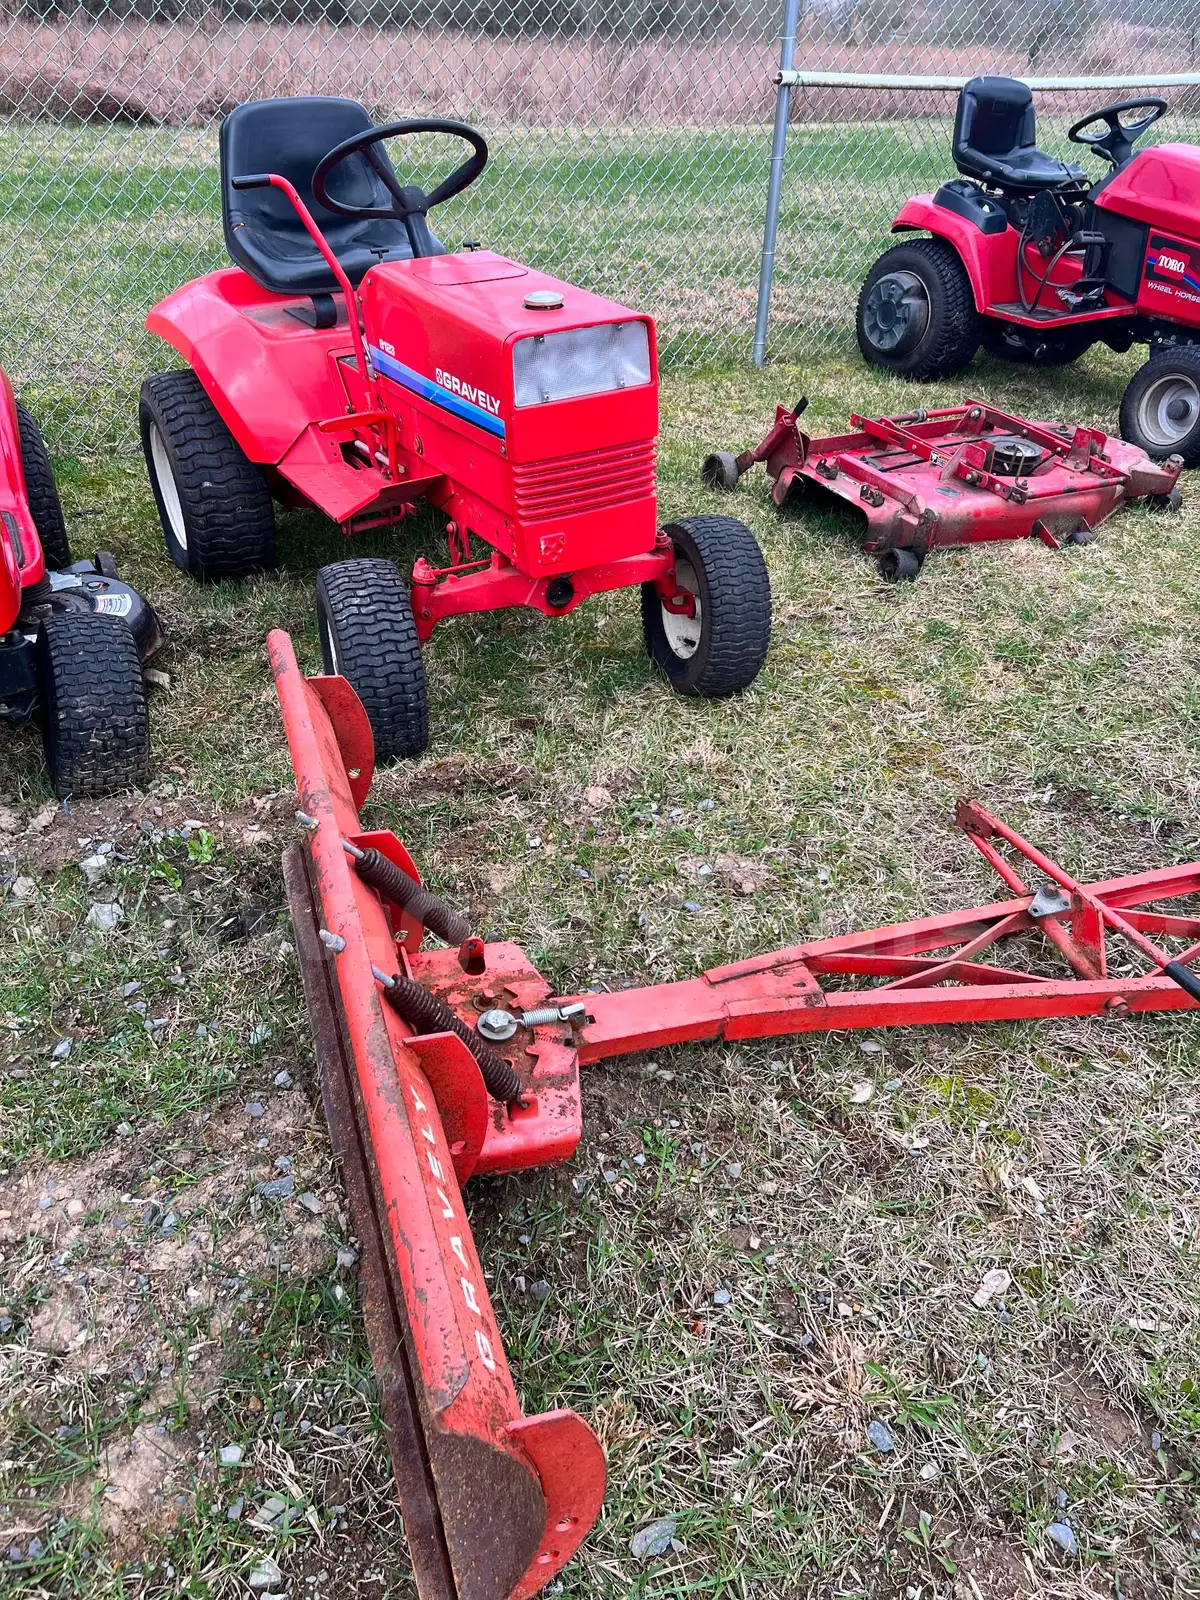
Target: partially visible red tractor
x,y
72,636
1030,259
349,362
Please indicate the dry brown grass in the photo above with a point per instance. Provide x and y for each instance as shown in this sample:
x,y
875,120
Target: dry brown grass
x,y
195,73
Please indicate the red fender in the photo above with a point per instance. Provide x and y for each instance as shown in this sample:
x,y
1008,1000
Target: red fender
x,y
268,376
990,259
18,567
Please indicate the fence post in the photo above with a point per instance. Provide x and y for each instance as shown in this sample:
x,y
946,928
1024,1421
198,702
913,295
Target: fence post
x,y
783,105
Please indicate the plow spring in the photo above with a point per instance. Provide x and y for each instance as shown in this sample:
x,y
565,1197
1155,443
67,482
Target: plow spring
x,y
408,1040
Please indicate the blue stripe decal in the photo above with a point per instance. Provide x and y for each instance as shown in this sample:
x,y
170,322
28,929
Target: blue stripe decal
x,y
428,390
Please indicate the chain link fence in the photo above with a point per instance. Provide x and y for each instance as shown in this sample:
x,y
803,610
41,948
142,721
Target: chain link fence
x,y
631,149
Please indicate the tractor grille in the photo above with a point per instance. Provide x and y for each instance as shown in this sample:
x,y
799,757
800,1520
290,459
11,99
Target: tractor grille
x,y
589,481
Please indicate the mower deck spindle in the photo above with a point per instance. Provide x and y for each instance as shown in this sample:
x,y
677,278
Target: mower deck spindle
x,y
425,1013
389,881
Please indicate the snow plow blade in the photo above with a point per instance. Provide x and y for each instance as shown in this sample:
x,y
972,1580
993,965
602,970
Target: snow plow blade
x,y
494,1502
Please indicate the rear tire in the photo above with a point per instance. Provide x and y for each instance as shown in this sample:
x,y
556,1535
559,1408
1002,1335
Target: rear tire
x,y
95,727
916,312
213,502
722,648
42,493
1160,409
368,636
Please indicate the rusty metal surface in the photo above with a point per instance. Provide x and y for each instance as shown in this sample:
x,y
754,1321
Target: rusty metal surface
x,y
470,1468
382,1308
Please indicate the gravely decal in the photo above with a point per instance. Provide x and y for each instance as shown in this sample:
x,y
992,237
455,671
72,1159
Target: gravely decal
x,y
467,391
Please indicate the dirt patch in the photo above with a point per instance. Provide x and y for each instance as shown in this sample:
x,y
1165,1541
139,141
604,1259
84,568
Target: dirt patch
x,y
142,1489
1094,1421
993,1569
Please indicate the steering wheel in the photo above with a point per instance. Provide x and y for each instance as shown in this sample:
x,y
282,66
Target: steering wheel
x,y
1117,140
409,202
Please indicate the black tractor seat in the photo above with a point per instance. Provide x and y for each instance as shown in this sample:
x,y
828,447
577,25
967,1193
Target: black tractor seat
x,y
263,234
994,133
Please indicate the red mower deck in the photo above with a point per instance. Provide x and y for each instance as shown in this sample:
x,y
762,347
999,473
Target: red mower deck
x,y
967,474
410,1042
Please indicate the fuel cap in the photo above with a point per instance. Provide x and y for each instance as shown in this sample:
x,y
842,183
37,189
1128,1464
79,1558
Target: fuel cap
x,y
544,300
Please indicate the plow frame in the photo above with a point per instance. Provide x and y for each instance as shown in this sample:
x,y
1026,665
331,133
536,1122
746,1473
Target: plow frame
x,y
495,1502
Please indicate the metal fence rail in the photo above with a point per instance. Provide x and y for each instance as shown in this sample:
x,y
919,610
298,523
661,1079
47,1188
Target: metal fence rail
x,y
632,148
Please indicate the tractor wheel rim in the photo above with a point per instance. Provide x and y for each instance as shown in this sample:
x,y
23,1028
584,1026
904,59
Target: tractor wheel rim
x,y
167,487
1169,410
683,632
896,313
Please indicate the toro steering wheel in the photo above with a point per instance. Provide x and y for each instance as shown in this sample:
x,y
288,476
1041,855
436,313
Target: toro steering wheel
x,y
409,202
1117,140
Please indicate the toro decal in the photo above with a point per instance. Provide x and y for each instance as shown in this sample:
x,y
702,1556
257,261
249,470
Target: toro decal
x,y
1173,268
452,394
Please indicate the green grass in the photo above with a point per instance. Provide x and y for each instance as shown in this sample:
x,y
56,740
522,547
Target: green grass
x,y
1060,687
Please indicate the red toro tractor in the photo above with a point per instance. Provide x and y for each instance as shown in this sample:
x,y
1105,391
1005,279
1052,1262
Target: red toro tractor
x,y
349,362
72,636
1035,262
440,1063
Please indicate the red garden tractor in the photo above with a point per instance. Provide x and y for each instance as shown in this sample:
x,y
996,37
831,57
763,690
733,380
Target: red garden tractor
x,y
349,362
72,636
1030,259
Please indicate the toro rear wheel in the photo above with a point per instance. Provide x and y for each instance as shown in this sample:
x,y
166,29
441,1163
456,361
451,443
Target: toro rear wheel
x,y
1160,410
721,646
42,493
213,501
94,723
365,620
916,312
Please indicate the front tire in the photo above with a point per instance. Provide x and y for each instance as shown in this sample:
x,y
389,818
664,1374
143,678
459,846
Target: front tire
x,y
213,502
368,636
916,312
1160,409
721,648
41,491
95,726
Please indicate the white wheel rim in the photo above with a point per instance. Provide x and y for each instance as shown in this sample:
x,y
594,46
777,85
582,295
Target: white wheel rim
x,y
335,665
1169,409
683,632
167,488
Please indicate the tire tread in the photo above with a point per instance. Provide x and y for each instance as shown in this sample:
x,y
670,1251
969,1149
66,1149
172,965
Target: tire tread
x,y
224,497
94,720
370,612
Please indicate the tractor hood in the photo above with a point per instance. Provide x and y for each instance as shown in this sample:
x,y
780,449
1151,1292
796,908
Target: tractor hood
x,y
501,349
1160,186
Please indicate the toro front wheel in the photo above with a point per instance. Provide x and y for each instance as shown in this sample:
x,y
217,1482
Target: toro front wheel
x,y
719,647
42,493
916,312
94,723
1160,410
364,616
213,501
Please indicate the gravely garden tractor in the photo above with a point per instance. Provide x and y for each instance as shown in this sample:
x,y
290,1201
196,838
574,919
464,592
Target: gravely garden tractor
x,y
72,636
1030,259
349,362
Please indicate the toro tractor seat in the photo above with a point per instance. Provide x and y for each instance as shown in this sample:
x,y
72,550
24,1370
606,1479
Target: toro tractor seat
x,y
263,234
994,133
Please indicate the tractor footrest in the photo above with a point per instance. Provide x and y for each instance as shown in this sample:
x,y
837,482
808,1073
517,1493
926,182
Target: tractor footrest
x,y
342,492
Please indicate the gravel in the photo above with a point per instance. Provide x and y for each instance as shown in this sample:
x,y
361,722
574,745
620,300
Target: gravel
x,y
880,1436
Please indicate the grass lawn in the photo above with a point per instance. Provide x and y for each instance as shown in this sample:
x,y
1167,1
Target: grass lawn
x,y
186,1389
102,222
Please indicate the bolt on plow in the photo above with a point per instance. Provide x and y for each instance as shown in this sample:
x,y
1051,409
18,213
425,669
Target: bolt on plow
x,y
442,1062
